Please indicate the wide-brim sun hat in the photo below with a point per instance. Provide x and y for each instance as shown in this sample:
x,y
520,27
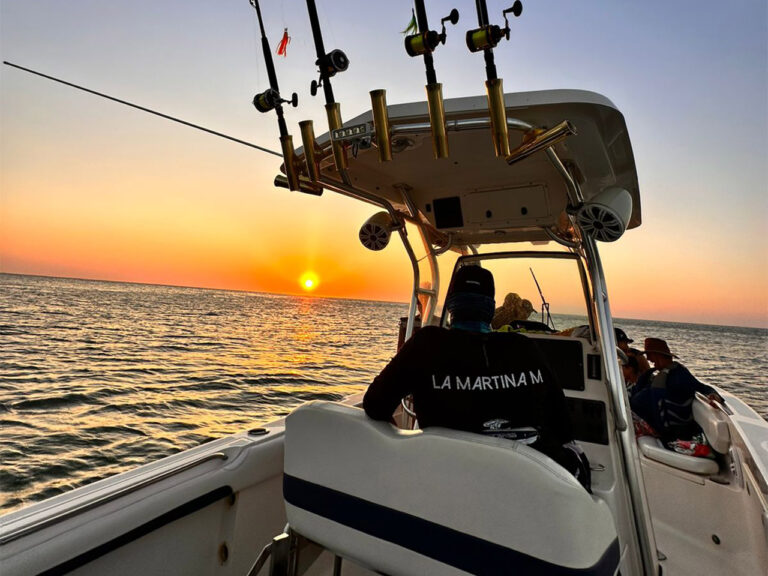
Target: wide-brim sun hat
x,y
657,346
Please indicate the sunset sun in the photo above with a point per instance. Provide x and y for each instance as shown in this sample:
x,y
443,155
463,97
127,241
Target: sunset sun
x,y
308,281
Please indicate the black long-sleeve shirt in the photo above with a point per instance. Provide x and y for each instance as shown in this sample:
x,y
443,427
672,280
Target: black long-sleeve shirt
x,y
477,382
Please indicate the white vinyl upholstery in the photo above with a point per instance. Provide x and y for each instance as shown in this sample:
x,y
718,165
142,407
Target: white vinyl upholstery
x,y
714,424
715,427
438,501
653,448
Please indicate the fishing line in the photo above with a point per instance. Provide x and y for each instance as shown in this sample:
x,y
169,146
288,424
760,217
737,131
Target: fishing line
x,y
256,45
329,24
143,109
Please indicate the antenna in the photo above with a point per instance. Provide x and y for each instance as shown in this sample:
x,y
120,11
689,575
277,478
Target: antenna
x,y
544,304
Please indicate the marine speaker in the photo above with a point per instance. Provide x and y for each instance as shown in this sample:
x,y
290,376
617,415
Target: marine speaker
x,y
606,216
376,231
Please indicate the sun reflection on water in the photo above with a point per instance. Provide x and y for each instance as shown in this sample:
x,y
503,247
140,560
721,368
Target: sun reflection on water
x,y
99,377
103,377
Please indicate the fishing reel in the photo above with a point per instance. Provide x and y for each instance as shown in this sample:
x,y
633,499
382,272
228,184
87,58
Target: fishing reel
x,y
333,62
426,42
270,99
489,36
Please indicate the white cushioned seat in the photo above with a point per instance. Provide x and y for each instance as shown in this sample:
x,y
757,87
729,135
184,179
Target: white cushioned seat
x,y
653,448
713,423
438,501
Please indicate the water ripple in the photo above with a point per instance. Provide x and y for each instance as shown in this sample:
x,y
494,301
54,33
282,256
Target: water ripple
x,y
98,377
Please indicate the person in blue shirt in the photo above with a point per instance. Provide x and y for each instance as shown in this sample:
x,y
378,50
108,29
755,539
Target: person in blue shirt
x,y
663,396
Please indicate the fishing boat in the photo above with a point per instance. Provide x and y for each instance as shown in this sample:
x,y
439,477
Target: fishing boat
x,y
496,180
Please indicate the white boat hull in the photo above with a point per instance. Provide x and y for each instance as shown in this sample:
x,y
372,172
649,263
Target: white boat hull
x,y
212,509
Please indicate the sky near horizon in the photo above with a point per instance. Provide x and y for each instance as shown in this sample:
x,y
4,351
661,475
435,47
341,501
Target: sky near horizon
x,y
93,189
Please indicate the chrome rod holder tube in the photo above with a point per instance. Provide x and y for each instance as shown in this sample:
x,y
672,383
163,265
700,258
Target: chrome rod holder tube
x,y
537,141
289,160
381,124
302,185
437,120
333,110
498,113
308,142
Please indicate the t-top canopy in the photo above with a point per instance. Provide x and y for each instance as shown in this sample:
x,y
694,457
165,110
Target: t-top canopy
x,y
478,197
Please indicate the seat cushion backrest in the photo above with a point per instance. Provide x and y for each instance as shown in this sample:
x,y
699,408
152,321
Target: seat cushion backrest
x,y
714,424
438,501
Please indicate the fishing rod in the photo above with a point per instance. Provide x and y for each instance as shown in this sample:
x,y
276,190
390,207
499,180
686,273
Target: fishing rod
x,y
142,108
423,44
544,304
328,64
270,99
485,39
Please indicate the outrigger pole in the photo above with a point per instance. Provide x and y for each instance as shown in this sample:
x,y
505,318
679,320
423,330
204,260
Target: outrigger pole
x,y
270,99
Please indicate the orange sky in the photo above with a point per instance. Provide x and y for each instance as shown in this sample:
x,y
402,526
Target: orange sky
x,y
95,190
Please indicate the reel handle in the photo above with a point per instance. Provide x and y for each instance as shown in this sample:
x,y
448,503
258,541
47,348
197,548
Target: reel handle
x,y
516,10
453,18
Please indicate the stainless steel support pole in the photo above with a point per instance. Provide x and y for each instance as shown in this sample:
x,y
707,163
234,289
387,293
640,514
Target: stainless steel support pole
x,y
639,505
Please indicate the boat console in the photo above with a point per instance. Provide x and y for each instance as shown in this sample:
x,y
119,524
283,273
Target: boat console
x,y
378,495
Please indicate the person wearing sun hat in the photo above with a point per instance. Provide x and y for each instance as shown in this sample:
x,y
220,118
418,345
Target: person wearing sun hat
x,y
473,379
663,396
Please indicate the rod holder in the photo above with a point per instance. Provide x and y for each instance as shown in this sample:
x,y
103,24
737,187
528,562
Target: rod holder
x,y
437,120
289,159
381,124
498,112
304,185
536,140
334,123
308,142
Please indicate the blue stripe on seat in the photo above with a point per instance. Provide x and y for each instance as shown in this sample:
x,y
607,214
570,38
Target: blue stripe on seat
x,y
463,551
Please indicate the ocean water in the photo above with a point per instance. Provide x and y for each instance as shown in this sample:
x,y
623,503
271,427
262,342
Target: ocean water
x,y
99,377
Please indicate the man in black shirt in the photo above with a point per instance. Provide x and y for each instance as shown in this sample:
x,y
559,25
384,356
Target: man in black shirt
x,y
469,378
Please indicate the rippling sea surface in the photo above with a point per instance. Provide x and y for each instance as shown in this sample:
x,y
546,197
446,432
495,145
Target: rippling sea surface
x,y
99,377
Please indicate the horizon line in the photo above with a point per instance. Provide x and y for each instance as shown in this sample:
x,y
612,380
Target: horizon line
x,y
305,295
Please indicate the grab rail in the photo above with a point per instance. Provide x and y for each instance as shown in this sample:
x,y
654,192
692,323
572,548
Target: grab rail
x,y
45,523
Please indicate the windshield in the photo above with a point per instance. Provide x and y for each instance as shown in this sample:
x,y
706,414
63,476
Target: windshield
x,y
558,300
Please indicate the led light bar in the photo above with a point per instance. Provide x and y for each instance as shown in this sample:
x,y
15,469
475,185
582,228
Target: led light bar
x,y
351,133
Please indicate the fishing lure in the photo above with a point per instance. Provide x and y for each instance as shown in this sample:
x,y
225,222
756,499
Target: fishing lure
x,y
282,47
412,27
